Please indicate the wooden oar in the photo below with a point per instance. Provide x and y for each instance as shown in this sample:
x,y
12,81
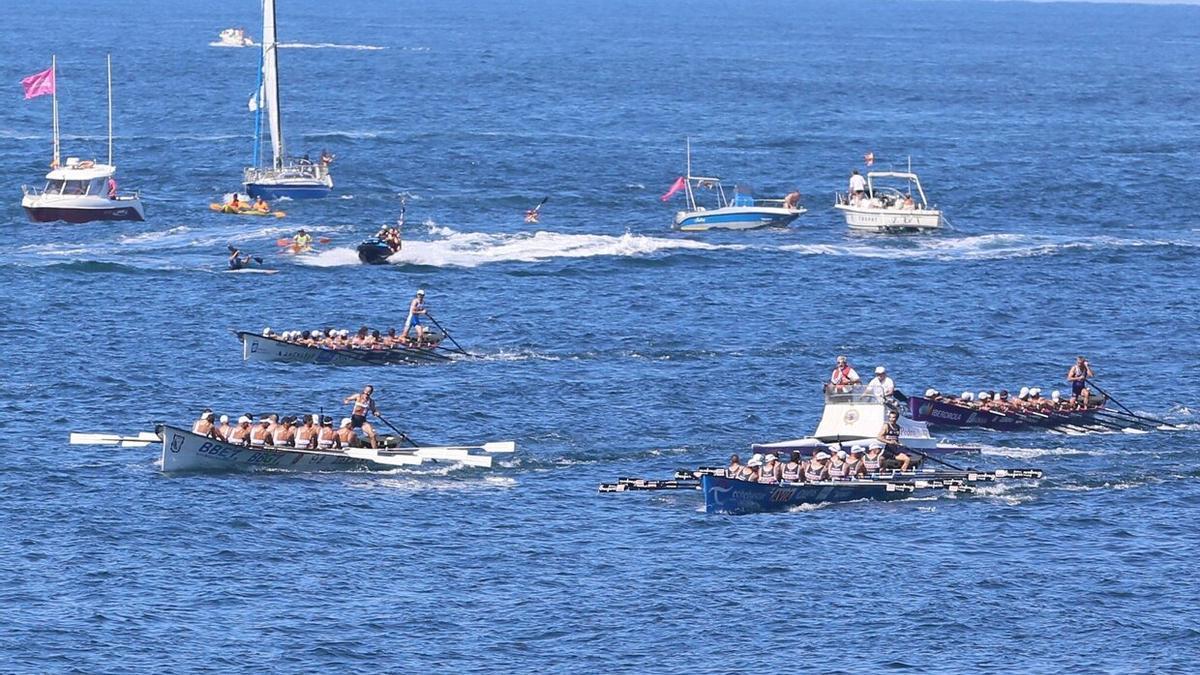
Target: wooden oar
x,y
448,335
143,439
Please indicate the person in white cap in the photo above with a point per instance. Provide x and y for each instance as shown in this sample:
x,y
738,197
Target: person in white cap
x,y
260,435
817,469
769,473
204,425
837,465
844,376
416,310
225,429
881,385
873,460
346,438
241,433
753,467
854,466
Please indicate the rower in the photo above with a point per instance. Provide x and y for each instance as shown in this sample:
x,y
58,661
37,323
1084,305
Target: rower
x,y
261,205
1001,401
416,309
844,376
204,425
241,433
306,436
751,470
837,466
302,241
345,436
769,474
817,470
1078,376
285,433
873,460
363,406
889,435
793,469
735,466
224,430
855,467
272,423
260,434
881,385
326,437
932,394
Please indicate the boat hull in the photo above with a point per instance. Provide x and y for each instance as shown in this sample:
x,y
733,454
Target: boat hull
x,y
291,190
739,497
735,218
47,211
890,220
374,252
258,348
944,414
185,451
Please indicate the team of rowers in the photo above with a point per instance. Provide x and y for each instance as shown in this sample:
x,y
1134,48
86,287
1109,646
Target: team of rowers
x,y
1030,398
859,462
311,432
413,335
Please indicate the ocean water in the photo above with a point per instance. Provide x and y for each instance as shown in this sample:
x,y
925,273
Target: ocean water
x,y
1059,139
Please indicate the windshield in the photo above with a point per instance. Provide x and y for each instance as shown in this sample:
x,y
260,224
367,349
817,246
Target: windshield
x,y
54,186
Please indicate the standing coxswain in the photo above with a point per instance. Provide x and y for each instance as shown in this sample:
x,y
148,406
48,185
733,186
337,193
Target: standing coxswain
x,y
363,405
416,309
1078,376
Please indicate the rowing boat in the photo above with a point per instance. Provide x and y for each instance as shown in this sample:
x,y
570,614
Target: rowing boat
x,y
183,451
256,347
945,413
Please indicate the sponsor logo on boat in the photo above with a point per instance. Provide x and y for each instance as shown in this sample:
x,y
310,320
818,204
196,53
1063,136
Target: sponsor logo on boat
x,y
177,442
946,415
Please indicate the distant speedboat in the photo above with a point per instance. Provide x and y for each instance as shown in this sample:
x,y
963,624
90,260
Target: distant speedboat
x,y
233,37
742,212
81,191
887,208
285,177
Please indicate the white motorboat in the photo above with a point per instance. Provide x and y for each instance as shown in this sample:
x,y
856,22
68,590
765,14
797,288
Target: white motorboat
x,y
894,202
853,415
183,450
284,177
233,37
741,212
81,191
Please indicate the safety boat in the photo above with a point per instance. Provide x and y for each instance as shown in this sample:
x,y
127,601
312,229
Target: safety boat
x,y
184,451
741,212
285,176
259,347
857,414
374,252
233,37
80,191
894,202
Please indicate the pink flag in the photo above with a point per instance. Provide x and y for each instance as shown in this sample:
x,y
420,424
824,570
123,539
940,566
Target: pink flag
x,y
39,84
678,185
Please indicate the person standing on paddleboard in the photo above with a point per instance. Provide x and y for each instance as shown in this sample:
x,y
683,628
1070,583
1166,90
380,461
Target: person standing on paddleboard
x,y
363,405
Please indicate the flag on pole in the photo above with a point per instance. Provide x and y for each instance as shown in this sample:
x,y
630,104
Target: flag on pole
x,y
869,158
678,185
39,84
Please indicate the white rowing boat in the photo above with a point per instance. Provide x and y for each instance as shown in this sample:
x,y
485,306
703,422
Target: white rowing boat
x,y
184,451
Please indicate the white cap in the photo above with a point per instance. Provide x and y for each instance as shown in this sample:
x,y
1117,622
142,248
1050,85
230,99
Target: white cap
x,y
755,461
420,291
857,450
1055,395
345,421
879,370
841,359
876,445
983,396
266,332
224,419
345,333
315,418
1024,392
1035,391
841,454
967,396
834,447
771,458
243,420
930,393
821,455
315,333
206,415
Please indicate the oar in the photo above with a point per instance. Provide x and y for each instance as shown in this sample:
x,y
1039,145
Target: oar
x,y
394,428
1134,421
447,334
143,439
1127,410
928,456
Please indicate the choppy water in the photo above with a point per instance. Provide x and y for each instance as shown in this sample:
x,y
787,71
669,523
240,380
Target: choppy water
x,y
1057,137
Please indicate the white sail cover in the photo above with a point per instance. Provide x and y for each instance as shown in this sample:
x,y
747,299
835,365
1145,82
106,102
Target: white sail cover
x,y
270,64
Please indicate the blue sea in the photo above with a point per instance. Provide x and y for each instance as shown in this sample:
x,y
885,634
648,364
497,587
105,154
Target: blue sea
x,y
1060,139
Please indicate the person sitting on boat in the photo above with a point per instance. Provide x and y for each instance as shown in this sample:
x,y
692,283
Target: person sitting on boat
x,y
735,466
792,471
285,434
881,385
345,436
836,469
241,433
112,187
204,426
855,468
908,203
1078,375
985,400
260,435
326,158
844,376
260,205
858,187
873,460
769,473
751,470
416,309
363,405
225,428
889,435
306,435
791,200
272,425
817,469
326,436
1001,402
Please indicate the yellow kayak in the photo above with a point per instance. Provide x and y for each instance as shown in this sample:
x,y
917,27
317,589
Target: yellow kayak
x,y
225,208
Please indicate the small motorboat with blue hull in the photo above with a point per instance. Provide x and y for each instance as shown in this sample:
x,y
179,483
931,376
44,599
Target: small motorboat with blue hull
x,y
741,212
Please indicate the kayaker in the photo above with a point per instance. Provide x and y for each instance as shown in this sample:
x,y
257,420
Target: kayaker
x,y
363,405
416,309
1078,376
261,205
234,205
236,260
302,241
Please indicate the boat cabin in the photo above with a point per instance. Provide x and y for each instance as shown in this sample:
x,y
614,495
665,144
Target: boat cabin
x,y
853,413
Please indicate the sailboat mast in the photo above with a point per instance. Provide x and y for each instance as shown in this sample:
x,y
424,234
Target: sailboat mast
x,y
110,110
54,107
687,181
271,81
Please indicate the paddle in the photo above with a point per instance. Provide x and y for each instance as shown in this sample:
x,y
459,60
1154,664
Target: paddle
x,y
447,334
394,428
931,457
531,216
1127,410
143,439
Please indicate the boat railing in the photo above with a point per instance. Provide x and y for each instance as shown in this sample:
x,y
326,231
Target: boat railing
x,y
852,394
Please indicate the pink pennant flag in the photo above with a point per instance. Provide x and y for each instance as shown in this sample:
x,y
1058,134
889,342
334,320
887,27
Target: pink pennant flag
x,y
678,185
39,84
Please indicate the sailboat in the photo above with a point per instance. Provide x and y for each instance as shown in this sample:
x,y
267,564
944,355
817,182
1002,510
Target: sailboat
x,y
80,191
285,177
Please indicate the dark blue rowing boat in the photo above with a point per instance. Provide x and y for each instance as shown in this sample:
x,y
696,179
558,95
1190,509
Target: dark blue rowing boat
x,y
942,413
739,497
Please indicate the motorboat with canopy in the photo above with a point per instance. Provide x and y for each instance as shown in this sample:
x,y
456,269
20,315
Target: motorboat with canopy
x,y
894,202
741,211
